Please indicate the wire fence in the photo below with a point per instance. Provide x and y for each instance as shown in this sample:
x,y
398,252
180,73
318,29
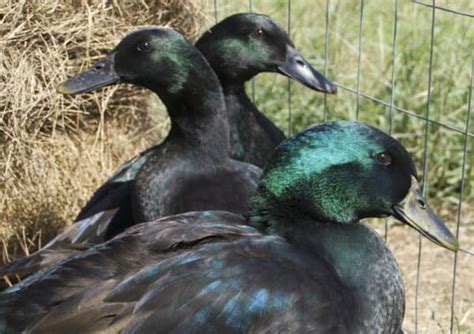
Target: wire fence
x,y
425,117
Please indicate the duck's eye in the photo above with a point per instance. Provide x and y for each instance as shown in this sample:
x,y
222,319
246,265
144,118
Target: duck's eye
x,y
144,47
383,158
260,32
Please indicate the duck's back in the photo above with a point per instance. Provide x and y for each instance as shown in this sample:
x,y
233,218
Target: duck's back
x,y
196,272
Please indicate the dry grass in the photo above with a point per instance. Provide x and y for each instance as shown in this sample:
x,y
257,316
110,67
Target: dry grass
x,y
54,151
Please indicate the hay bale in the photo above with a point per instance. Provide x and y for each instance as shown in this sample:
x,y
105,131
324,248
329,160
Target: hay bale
x,y
55,150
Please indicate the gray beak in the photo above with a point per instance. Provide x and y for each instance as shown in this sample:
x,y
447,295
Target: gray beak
x,y
414,211
296,67
100,75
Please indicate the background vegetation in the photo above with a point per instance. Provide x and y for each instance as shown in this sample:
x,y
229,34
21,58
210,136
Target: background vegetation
x,y
55,150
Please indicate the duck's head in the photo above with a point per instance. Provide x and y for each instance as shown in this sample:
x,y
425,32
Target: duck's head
x,y
341,172
157,58
243,45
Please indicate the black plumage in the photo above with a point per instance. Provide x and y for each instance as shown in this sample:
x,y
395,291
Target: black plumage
x,y
301,262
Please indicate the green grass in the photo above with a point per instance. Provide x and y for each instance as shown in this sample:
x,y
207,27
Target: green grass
x,y
451,72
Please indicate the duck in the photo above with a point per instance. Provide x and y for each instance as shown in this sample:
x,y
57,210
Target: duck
x,y
300,262
133,193
240,47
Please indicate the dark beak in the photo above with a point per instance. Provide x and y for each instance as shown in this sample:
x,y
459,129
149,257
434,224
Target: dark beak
x,y
414,211
296,67
100,75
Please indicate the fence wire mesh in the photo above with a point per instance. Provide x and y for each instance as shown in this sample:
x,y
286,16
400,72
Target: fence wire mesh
x,y
426,119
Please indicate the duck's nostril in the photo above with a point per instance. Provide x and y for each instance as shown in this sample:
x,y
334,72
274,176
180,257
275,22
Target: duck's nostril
x,y
99,66
300,62
421,203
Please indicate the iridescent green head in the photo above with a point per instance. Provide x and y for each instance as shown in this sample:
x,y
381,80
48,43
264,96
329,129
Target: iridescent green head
x,y
243,45
341,172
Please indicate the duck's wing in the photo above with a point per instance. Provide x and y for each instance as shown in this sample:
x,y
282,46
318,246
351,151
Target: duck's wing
x,y
109,212
255,284
76,237
106,214
58,284
195,272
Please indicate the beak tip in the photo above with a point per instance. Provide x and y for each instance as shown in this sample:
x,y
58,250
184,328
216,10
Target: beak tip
x,y
61,89
454,245
327,88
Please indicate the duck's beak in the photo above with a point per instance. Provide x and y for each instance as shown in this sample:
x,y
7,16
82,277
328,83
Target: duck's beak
x,y
100,75
415,211
296,67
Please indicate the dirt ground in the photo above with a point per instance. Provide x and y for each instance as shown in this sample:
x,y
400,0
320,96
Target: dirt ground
x,y
435,276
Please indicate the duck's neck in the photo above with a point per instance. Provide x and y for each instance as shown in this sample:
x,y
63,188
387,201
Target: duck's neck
x,y
239,114
365,266
236,96
197,113
361,260
253,137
